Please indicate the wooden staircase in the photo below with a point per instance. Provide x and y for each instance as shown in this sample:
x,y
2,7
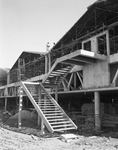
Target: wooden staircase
x,y
53,116
56,74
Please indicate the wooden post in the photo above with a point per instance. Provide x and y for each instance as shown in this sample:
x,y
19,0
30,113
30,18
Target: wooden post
x,y
42,127
42,123
108,43
75,81
20,106
97,111
49,56
46,63
56,94
6,94
39,118
5,103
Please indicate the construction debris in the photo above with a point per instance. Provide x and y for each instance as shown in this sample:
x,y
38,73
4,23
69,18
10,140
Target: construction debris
x,y
68,137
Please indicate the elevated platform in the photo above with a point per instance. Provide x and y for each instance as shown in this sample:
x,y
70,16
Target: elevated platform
x,y
64,65
81,57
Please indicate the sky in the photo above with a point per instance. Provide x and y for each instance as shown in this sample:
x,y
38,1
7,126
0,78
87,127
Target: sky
x,y
27,25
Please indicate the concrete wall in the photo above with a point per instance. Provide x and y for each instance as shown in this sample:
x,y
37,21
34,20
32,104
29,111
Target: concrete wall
x,y
96,75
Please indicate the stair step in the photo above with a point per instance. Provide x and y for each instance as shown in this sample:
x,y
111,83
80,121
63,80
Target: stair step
x,y
49,109
64,125
45,101
50,106
54,116
57,119
63,129
64,122
55,111
46,104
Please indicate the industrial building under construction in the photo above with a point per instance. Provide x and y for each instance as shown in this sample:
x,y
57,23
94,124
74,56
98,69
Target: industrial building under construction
x,y
77,79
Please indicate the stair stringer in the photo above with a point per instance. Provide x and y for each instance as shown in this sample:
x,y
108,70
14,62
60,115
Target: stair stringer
x,y
36,106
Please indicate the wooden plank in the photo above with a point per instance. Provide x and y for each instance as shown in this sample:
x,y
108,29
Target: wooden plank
x,y
79,78
57,72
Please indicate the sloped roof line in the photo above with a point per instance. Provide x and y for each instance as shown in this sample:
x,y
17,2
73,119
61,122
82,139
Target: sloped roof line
x,y
30,52
35,52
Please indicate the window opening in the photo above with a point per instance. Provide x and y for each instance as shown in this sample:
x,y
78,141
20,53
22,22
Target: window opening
x,y
102,47
87,46
113,36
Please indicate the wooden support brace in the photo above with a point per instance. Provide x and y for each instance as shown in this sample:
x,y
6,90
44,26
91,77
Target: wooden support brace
x,y
80,78
64,85
70,80
115,77
75,81
67,83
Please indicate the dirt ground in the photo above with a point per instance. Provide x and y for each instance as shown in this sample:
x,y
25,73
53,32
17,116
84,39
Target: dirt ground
x,y
29,137
12,140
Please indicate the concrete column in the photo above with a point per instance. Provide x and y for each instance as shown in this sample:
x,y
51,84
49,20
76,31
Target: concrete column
x,y
97,111
20,106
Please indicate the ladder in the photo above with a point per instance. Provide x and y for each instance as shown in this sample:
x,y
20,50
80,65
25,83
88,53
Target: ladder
x,y
53,116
